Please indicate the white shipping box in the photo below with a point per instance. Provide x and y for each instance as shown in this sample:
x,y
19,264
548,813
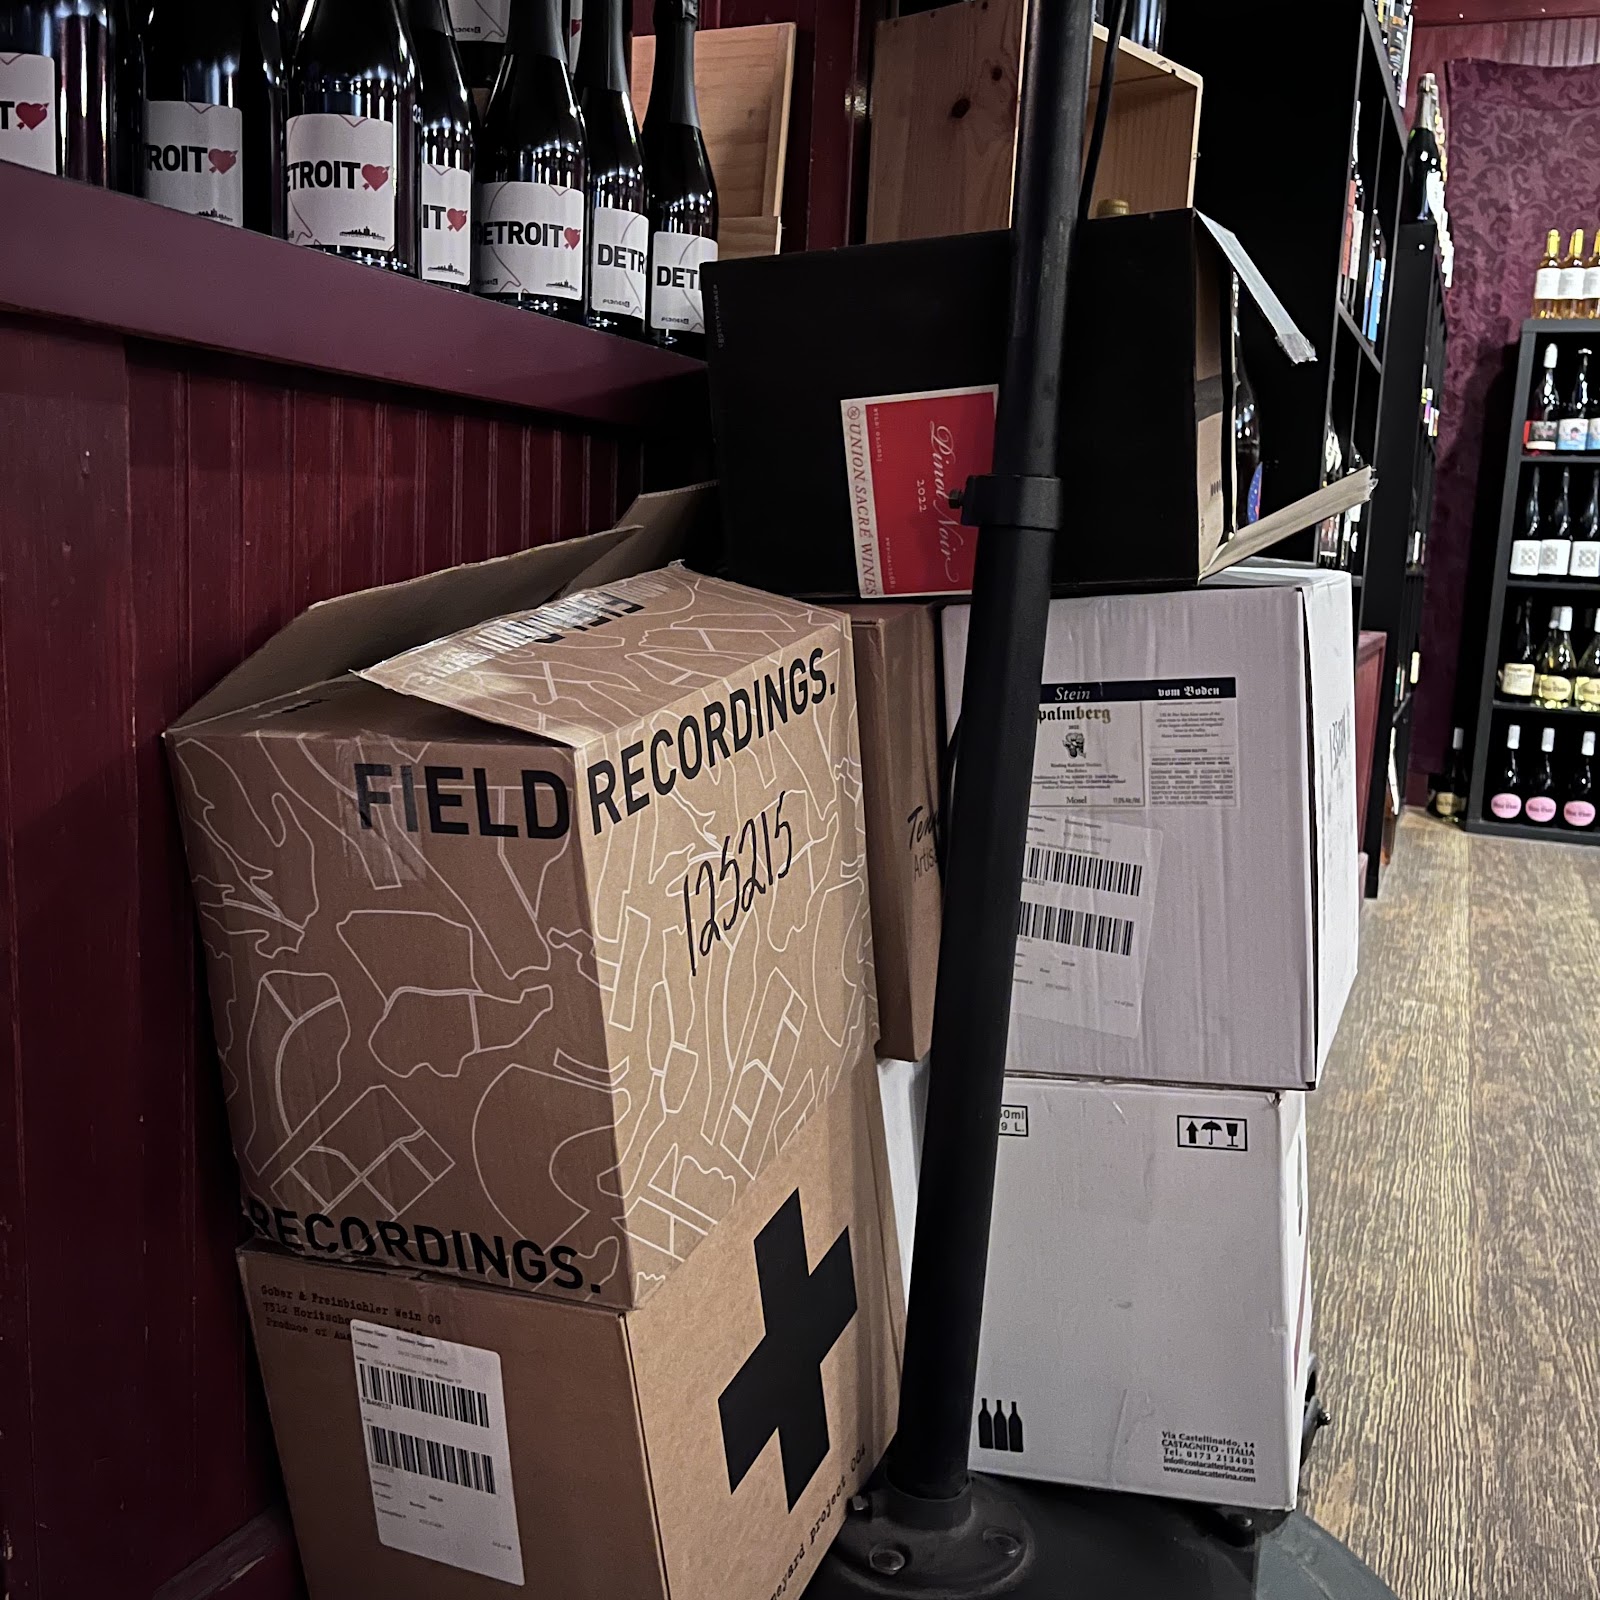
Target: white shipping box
x,y
1190,892
1148,1311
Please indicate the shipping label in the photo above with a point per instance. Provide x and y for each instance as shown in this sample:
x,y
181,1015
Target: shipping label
x,y
446,219
530,240
905,454
194,159
28,111
619,240
677,302
480,21
341,179
1088,898
433,1422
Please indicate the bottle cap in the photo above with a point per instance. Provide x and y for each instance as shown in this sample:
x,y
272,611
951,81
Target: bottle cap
x,y
1457,738
1550,355
1113,208
1514,736
1547,740
1565,624
1588,744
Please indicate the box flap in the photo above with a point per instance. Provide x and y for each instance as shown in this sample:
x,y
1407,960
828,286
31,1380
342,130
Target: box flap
x,y
1352,490
602,659
1293,343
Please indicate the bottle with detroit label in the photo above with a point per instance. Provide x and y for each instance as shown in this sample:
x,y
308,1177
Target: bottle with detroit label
x,y
213,111
682,190
352,139
444,178
532,173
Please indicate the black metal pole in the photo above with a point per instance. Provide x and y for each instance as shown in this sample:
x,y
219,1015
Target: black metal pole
x,y
1018,509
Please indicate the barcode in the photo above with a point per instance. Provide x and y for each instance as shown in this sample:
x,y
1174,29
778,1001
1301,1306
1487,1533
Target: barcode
x,y
1083,872
428,1458
1063,925
388,1385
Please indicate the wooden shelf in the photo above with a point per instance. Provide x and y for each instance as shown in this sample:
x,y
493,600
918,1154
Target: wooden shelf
x,y
124,264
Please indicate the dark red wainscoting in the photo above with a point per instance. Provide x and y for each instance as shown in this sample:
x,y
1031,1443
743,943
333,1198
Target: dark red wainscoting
x,y
162,512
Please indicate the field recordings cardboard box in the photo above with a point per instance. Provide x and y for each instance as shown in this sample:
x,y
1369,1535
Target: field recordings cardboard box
x,y
898,696
445,1441
1190,889
530,945
1147,1317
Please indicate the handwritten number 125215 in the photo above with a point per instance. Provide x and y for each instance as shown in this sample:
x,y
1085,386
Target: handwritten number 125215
x,y
720,891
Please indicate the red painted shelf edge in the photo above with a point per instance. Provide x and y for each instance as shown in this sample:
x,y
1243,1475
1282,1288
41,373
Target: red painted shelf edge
x,y
74,253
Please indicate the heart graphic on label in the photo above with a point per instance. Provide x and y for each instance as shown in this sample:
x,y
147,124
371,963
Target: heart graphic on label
x,y
456,219
375,177
222,160
30,114
574,237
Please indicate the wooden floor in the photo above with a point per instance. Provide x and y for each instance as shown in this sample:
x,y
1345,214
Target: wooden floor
x,y
1455,1173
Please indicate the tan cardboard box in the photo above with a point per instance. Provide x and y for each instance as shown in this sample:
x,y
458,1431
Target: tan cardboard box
x,y
530,945
897,695
443,1441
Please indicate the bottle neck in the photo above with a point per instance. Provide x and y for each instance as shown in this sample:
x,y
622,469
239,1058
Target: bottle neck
x,y
602,59
672,86
535,30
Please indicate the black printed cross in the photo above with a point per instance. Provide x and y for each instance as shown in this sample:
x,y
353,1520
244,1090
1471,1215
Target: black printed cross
x,y
779,1389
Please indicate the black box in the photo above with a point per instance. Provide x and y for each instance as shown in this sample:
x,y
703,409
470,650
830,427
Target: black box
x,y
1146,435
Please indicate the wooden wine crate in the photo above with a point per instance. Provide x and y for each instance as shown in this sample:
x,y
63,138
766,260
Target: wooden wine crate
x,y
944,123
743,79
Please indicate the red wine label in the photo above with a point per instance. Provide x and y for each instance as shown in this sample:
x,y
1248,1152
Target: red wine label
x,y
1516,680
446,225
1541,808
619,242
28,111
480,21
1547,283
1507,807
1578,814
341,181
904,455
676,304
194,159
530,240
1572,433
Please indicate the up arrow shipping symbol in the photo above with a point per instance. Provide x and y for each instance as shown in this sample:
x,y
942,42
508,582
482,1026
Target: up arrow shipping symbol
x,y
779,1389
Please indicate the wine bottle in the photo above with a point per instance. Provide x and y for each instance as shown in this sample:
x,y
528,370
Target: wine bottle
x,y
289,31
1585,561
682,193
351,154
1350,555
1572,270
63,88
1450,798
1591,285
985,1427
1377,271
1539,790
1014,1431
1578,808
1525,546
1572,431
480,29
1355,220
1505,783
213,111
1543,428
1521,660
531,190
444,234
1555,534
1547,278
1558,666
619,230
1422,156
1586,677
1246,431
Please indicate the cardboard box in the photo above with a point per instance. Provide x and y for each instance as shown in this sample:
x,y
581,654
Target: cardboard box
x,y
890,356
703,1447
897,692
1147,1320
1190,893
535,927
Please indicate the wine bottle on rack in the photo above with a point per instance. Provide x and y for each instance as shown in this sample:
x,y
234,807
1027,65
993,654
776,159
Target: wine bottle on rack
x,y
1586,678
1422,156
1377,272
1572,270
64,89
1572,431
1504,802
1586,534
1355,221
1539,803
480,30
1525,545
1558,666
619,230
213,111
1555,534
1591,284
1521,659
531,173
678,179
1578,806
288,30
1547,278
1350,552
352,134
444,176
1450,798
1543,428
